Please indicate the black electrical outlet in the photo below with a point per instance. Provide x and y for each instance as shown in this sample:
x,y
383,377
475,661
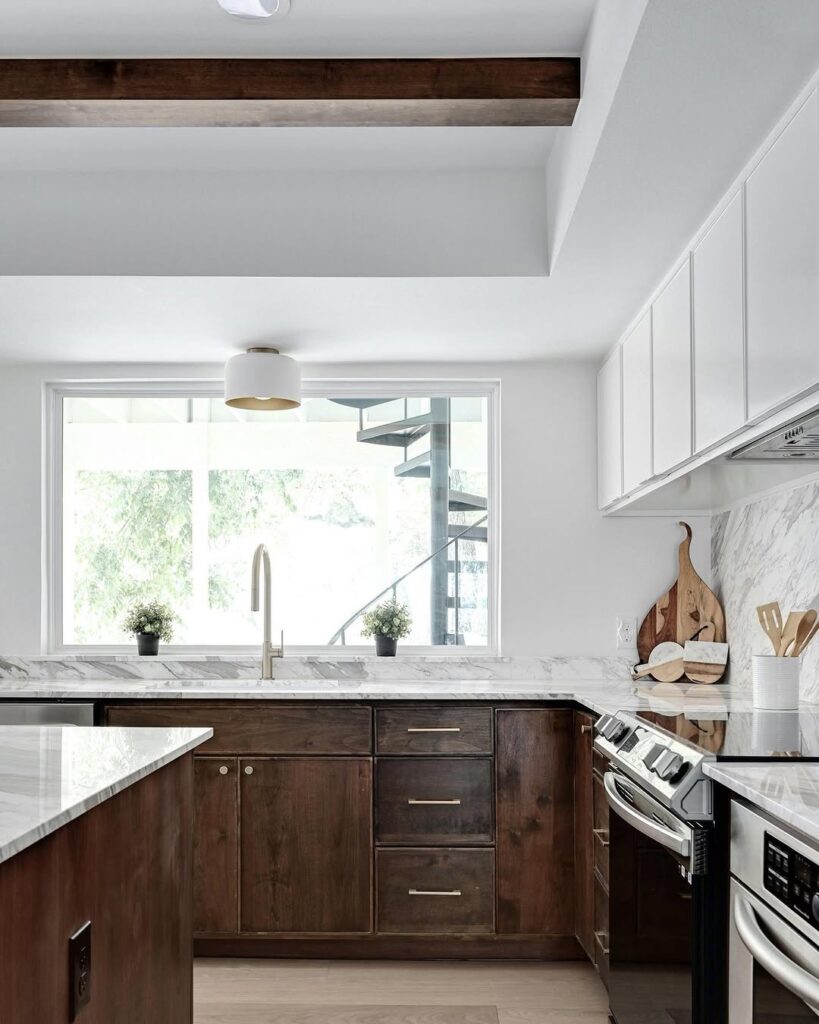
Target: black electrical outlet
x,y
79,966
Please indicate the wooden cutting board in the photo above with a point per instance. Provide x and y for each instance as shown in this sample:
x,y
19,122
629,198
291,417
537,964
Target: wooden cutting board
x,y
682,610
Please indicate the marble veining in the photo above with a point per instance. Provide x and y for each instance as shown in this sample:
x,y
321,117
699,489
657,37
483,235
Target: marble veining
x,y
361,667
788,792
598,695
767,551
50,775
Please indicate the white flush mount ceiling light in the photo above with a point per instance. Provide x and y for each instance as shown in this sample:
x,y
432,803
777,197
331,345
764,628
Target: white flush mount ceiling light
x,y
256,8
262,378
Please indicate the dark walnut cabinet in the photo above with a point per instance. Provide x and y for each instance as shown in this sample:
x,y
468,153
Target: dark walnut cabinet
x,y
125,866
216,845
306,826
584,832
384,830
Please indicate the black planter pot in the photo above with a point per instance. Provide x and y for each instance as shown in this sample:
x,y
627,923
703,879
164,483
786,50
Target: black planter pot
x,y
385,646
147,643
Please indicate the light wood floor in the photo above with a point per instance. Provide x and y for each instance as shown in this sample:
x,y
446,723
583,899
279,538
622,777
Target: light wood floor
x,y
351,992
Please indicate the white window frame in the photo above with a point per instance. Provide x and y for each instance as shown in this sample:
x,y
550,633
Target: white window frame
x,y
56,391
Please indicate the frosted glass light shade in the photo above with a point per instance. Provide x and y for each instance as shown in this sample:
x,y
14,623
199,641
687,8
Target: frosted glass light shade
x,y
255,8
262,378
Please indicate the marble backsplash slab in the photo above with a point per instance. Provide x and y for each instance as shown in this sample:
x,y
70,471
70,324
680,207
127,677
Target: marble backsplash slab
x,y
365,668
767,550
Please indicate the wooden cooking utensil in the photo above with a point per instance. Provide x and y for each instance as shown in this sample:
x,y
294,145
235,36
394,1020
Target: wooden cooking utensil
x,y
790,631
681,612
770,618
804,633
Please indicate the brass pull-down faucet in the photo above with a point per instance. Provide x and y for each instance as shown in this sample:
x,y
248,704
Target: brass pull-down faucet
x,y
261,558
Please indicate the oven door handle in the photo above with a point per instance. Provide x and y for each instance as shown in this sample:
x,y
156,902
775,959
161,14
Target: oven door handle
x,y
795,978
677,842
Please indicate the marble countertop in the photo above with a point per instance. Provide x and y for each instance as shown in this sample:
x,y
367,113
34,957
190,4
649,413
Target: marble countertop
x,y
50,775
788,792
598,695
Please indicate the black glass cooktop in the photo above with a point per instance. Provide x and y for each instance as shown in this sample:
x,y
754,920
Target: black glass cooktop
x,y
743,735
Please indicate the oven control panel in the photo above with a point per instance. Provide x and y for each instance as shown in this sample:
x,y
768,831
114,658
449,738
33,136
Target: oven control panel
x,y
792,879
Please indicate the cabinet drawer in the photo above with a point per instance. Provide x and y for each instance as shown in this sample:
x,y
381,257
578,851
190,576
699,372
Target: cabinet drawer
x,y
261,729
443,891
434,730
422,801
601,830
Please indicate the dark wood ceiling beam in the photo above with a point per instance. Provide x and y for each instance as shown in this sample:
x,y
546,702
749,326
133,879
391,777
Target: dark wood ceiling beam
x,y
215,91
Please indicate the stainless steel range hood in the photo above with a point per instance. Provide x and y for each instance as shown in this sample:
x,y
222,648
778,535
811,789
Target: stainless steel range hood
x,y
798,440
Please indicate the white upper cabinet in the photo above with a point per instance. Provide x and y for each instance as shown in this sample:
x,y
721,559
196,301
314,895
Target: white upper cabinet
x,y
671,372
782,226
636,356
609,452
719,336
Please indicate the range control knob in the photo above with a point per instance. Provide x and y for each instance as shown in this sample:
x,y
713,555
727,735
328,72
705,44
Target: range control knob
x,y
672,768
651,757
814,907
609,728
620,733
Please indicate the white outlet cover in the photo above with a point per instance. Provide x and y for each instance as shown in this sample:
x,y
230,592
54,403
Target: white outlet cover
x,y
626,633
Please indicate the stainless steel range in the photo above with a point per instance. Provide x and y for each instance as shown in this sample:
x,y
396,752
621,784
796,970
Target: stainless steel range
x,y
669,849
666,925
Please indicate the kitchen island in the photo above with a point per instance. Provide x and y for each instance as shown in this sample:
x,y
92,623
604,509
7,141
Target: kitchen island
x,y
95,828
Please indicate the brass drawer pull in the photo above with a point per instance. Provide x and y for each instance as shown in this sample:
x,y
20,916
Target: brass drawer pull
x,y
434,803
440,728
433,892
600,938
602,836
586,728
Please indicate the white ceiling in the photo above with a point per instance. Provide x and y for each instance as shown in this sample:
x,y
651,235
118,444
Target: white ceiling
x,y
703,84
231,151
314,28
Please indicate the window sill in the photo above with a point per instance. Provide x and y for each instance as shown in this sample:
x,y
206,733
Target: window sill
x,y
174,652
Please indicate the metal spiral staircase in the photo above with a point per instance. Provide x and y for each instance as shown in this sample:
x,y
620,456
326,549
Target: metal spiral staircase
x,y
447,537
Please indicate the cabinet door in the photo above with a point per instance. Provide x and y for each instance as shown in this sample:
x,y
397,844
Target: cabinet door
x,y
306,855
583,832
534,812
609,439
216,845
671,372
782,225
636,355
719,334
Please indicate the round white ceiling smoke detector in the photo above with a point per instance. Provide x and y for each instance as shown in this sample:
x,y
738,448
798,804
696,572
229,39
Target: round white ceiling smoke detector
x,y
255,8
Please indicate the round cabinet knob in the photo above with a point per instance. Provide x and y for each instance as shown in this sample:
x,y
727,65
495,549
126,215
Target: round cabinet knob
x,y
249,769
223,769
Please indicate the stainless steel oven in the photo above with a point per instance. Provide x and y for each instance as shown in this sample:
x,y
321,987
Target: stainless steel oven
x,y
667,878
664,955
774,932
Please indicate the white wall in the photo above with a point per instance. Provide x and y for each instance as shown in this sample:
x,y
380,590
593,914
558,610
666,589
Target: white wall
x,y
565,571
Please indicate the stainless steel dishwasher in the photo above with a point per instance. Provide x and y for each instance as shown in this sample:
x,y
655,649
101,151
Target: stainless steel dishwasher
x,y
46,713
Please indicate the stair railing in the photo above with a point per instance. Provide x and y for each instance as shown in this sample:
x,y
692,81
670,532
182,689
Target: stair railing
x,y
340,633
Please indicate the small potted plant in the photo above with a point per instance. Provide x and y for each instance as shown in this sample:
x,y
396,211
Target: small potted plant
x,y
150,623
388,622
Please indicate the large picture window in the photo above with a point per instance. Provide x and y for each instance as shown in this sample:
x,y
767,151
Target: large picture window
x,y
163,492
